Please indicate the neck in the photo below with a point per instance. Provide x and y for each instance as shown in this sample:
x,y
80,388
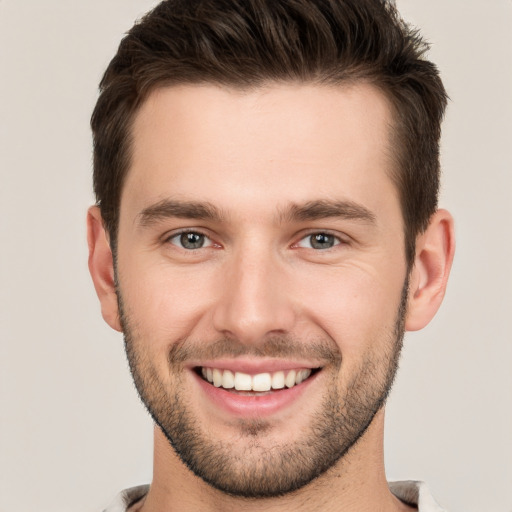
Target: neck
x,y
356,483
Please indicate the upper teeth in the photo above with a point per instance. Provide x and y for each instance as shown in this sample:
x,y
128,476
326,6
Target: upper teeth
x,y
259,382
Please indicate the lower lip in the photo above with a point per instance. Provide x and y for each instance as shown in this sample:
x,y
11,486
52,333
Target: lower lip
x,y
257,405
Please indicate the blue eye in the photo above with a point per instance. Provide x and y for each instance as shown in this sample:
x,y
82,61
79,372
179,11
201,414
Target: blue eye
x,y
319,241
190,240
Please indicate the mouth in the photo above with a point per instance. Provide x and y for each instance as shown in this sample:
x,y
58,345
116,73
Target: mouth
x,y
248,388
262,383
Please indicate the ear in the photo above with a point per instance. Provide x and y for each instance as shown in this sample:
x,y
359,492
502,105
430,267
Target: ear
x,y
429,276
101,267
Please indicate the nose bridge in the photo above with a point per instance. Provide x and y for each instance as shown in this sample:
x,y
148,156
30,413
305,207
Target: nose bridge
x,y
253,299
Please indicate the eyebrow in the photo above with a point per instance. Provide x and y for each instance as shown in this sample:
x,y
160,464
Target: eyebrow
x,y
322,209
168,208
309,211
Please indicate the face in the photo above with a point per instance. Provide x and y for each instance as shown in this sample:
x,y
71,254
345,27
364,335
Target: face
x,y
262,277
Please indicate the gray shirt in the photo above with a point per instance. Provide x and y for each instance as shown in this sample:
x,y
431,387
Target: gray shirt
x,y
411,492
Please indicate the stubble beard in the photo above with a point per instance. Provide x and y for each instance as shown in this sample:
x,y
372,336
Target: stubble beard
x,y
257,470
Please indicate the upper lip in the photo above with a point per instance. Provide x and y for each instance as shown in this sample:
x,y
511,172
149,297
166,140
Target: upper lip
x,y
255,366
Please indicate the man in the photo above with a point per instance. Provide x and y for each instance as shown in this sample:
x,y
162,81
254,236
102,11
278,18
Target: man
x,y
266,230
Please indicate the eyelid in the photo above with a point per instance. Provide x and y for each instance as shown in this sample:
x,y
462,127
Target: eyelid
x,y
167,237
340,240
177,233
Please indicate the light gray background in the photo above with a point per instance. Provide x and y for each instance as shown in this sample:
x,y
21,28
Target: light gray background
x,y
72,432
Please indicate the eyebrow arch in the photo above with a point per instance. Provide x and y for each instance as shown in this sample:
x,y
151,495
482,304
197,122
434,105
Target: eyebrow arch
x,y
322,209
169,208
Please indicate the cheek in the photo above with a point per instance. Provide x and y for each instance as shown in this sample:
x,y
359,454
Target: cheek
x,y
356,307
164,303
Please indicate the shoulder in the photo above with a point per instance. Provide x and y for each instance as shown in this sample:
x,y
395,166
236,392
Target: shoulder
x,y
415,493
125,499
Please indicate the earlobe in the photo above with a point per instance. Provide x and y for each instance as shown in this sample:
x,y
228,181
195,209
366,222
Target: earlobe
x,y
429,276
101,267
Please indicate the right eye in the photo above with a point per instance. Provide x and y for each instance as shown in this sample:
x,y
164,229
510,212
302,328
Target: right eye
x,y
190,240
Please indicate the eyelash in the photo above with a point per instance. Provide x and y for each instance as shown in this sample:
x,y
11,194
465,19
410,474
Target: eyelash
x,y
206,239
337,240
180,234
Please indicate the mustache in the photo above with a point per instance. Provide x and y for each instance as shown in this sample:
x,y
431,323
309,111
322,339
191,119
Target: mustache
x,y
280,347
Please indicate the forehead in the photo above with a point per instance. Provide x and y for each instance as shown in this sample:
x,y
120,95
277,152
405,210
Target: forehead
x,y
261,147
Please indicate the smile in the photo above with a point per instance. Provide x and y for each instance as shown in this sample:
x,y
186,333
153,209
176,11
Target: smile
x,y
254,389
260,382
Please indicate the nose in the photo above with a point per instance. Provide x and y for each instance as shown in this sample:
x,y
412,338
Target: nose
x,y
254,300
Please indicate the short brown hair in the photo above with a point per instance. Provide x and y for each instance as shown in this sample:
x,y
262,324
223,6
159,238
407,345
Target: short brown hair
x,y
247,43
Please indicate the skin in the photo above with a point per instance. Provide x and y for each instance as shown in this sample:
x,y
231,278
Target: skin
x,y
254,156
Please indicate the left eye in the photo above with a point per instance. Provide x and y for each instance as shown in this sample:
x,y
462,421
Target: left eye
x,y
319,241
190,240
